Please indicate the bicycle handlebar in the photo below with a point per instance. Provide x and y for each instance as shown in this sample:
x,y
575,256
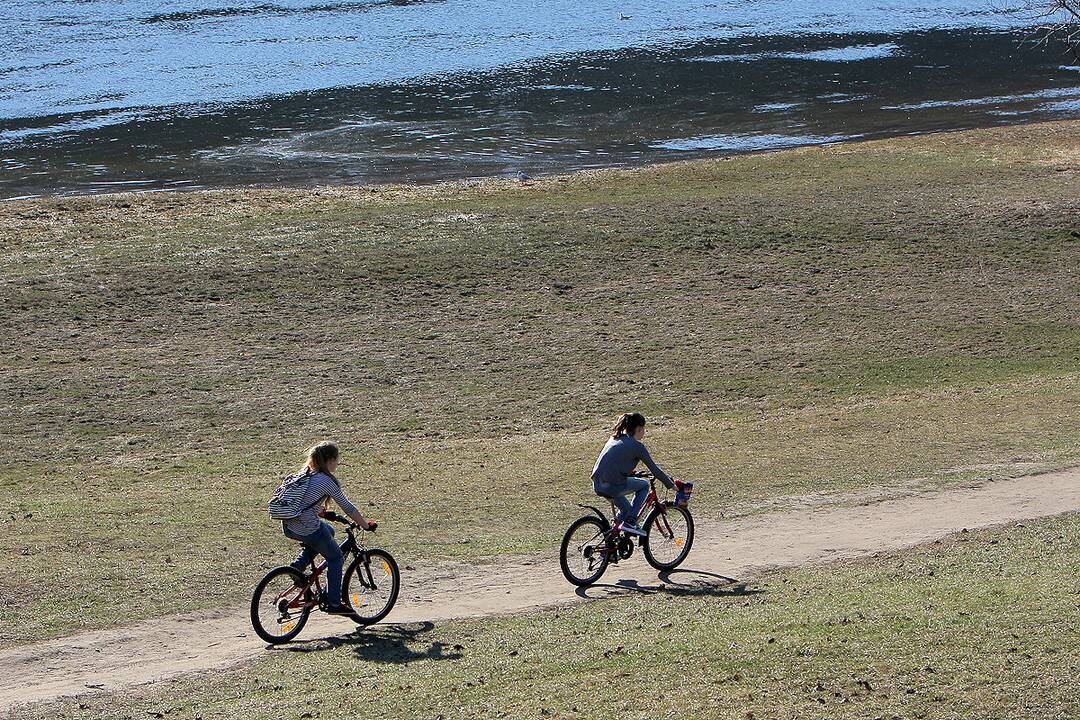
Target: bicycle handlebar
x,y
652,478
334,517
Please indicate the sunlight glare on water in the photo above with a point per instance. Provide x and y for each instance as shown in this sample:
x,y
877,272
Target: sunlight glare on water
x,y
225,92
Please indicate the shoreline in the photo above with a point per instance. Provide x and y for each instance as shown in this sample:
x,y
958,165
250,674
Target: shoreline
x,y
561,176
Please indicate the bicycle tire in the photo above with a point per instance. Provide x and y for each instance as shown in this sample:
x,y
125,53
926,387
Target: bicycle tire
x,y
298,622
687,542
352,596
564,559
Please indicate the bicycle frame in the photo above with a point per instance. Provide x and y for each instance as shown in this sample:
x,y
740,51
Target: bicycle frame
x,y
300,599
651,501
349,546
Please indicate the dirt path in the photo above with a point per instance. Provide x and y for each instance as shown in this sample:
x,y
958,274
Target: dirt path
x,y
739,548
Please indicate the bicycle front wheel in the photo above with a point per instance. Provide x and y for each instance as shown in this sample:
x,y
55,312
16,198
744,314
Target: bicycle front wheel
x,y
279,609
584,552
669,534
371,586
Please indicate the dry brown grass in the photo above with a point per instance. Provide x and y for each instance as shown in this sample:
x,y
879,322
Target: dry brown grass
x,y
811,321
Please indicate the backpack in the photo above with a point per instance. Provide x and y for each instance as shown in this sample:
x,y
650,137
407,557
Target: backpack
x,y
285,502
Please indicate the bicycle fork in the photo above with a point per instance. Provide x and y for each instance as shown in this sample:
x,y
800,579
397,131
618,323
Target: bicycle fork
x,y
365,567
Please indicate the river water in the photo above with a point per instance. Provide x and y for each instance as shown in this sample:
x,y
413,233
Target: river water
x,y
106,95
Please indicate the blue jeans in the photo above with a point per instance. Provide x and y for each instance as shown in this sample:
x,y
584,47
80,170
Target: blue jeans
x,y
321,542
628,511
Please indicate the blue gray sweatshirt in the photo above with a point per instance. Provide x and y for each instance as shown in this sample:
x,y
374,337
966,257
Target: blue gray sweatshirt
x,y
617,460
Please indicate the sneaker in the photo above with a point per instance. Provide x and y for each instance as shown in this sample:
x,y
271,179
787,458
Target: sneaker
x,y
633,529
341,609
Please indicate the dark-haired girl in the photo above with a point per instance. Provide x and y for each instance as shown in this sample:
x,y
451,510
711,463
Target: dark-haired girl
x,y
612,476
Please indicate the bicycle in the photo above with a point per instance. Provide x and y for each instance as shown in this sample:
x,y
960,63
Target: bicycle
x,y
284,598
593,541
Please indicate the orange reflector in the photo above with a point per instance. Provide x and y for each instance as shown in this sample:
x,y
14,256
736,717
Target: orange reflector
x,y
287,628
386,567
679,542
355,600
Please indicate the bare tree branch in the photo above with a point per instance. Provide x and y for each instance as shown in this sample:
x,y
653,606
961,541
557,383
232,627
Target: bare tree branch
x,y
1061,23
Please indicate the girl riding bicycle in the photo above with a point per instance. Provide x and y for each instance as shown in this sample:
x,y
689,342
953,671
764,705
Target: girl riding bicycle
x,y
613,476
317,536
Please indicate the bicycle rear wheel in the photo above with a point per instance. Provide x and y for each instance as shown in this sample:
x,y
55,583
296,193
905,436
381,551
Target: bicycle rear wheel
x,y
279,609
669,534
371,586
584,555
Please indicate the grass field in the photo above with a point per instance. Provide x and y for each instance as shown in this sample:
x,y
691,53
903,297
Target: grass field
x,y
812,322
979,625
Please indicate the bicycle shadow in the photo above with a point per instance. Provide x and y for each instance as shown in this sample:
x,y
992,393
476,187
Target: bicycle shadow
x,y
390,644
731,587
666,575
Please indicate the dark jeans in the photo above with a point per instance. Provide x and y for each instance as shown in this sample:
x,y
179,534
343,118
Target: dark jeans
x,y
321,542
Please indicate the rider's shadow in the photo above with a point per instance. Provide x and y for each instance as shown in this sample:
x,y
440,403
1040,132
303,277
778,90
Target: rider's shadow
x,y
730,587
394,644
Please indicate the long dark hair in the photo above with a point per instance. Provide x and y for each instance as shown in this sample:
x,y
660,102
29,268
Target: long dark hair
x,y
627,424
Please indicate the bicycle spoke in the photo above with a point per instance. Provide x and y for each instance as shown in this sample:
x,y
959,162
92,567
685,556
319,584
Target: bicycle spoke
x,y
669,536
369,598
585,551
281,605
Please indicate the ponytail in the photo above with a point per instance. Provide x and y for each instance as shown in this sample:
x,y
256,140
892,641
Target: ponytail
x,y
627,424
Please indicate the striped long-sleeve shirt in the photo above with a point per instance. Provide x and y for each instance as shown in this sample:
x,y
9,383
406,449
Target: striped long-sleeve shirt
x,y
320,486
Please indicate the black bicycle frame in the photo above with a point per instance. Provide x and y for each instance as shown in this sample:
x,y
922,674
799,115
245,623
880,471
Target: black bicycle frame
x,y
351,547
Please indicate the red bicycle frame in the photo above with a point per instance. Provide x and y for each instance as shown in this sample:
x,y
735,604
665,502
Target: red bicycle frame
x,y
653,501
301,600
